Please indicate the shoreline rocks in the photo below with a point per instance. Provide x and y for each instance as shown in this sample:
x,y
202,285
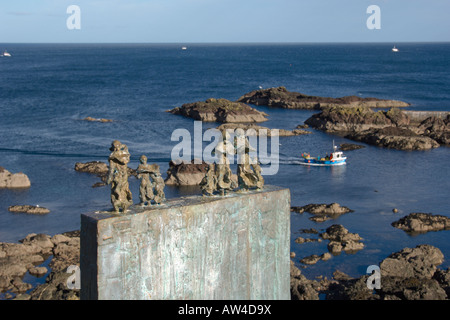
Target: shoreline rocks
x,y
13,180
16,259
280,97
422,223
29,209
220,110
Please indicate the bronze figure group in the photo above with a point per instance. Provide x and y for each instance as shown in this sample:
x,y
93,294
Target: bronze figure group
x,y
218,177
152,184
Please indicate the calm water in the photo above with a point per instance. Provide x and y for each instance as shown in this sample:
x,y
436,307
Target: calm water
x,y
45,91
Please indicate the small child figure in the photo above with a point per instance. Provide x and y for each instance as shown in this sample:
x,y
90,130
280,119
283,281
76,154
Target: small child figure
x,y
158,183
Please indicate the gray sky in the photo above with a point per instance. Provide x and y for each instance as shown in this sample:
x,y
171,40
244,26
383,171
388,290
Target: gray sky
x,y
185,21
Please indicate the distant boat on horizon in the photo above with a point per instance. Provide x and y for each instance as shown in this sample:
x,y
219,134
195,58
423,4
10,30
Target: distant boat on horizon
x,y
6,54
183,48
394,49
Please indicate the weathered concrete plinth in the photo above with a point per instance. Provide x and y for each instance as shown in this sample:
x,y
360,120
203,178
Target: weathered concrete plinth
x,y
232,247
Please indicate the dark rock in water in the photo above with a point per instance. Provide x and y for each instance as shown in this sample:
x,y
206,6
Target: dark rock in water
x,y
100,169
350,147
95,167
395,138
342,240
322,212
436,128
220,110
28,209
388,129
422,222
280,97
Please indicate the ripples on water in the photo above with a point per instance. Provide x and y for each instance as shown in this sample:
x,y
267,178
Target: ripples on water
x,y
46,90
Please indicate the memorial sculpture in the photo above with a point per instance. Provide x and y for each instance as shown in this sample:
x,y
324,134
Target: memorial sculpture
x,y
209,183
259,178
144,170
158,184
121,197
248,172
222,168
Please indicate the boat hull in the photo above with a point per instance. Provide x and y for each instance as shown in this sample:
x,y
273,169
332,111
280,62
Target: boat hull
x,y
322,163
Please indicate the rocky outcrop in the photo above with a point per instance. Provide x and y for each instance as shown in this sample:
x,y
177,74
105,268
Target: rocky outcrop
x,y
388,129
343,120
280,97
342,240
422,222
16,259
253,129
395,138
301,287
220,110
410,274
323,212
13,180
29,209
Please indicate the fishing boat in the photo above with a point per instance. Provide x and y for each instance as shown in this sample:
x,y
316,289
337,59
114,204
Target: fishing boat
x,y
394,49
6,54
336,158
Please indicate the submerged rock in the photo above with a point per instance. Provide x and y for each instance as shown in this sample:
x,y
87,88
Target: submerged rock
x,y
323,212
13,180
342,240
28,209
422,222
97,119
220,110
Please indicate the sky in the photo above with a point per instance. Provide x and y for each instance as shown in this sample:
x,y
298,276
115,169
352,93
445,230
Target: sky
x,y
218,21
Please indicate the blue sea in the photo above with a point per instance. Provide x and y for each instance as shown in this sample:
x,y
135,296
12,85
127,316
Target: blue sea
x,y
47,89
